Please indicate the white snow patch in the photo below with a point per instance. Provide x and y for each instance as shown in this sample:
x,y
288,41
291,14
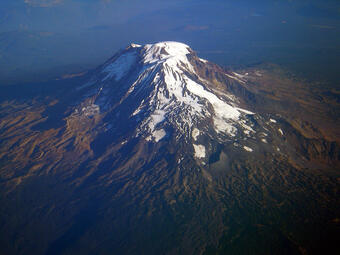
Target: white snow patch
x,y
203,60
223,111
235,78
199,151
222,126
158,135
239,75
175,86
138,109
120,67
245,111
134,45
280,130
165,50
156,118
195,133
247,132
247,129
247,148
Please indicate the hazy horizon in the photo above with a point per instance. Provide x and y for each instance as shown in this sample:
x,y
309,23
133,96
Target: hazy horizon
x,y
44,39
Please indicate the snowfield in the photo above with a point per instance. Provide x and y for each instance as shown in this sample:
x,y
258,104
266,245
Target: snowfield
x,y
174,95
199,151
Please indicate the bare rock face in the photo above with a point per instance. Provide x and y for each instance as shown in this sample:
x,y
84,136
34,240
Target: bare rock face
x,y
160,152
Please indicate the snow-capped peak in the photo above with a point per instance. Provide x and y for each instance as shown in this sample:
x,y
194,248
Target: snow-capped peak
x,y
165,50
134,45
168,90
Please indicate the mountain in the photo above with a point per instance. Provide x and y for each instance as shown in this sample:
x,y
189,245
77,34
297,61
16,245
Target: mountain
x,y
158,151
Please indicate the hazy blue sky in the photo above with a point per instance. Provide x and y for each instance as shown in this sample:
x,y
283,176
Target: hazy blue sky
x,y
42,39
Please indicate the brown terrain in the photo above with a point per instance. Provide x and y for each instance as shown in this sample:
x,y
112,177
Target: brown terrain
x,y
69,186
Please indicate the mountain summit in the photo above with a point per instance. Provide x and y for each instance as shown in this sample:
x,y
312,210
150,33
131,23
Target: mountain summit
x,y
164,91
158,151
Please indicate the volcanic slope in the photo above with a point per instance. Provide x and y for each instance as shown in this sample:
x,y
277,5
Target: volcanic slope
x,y
158,151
